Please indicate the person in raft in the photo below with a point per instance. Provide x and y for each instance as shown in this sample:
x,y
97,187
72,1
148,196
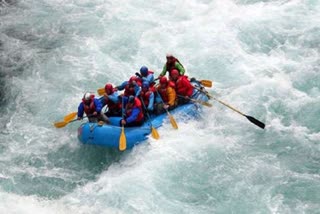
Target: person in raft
x,y
146,75
110,98
132,111
172,63
131,87
183,87
147,96
166,96
92,107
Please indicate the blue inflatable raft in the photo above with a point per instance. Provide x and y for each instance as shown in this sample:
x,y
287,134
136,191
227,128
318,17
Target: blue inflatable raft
x,y
108,135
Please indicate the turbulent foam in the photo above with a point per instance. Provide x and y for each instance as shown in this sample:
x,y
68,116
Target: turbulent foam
x,y
263,57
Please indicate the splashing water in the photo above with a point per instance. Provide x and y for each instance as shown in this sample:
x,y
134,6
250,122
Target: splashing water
x,y
263,57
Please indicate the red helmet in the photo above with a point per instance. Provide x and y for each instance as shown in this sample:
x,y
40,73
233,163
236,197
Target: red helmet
x,y
108,88
174,72
163,80
133,78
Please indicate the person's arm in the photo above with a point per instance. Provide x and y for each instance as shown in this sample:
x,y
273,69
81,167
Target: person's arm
x,y
113,97
180,68
164,70
151,101
80,110
122,86
148,78
137,90
134,115
97,105
171,96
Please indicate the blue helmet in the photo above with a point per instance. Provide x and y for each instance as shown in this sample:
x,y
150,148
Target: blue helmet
x,y
144,71
145,84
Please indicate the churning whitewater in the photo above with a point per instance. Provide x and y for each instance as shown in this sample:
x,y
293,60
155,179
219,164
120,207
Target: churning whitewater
x,y
262,56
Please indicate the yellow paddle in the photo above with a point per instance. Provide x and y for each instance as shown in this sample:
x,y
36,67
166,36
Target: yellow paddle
x,y
154,132
67,119
62,124
100,91
70,116
172,120
201,102
206,83
123,139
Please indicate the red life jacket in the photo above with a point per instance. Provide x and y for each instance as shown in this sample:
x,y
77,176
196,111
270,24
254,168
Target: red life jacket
x,y
136,79
111,105
183,86
89,109
145,96
139,82
152,88
128,90
137,104
172,84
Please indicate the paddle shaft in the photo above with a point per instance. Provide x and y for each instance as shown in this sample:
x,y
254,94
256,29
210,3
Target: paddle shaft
x,y
172,120
154,132
146,110
225,104
62,124
197,101
122,139
250,118
163,102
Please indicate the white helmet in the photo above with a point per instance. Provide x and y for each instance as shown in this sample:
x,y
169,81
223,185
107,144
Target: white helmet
x,y
87,96
169,55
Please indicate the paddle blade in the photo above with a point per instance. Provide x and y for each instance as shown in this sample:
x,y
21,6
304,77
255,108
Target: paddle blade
x,y
202,102
100,91
206,104
60,124
173,121
154,133
255,121
122,140
206,83
70,117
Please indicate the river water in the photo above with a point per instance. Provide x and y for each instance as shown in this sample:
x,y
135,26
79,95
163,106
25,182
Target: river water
x,y
262,56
